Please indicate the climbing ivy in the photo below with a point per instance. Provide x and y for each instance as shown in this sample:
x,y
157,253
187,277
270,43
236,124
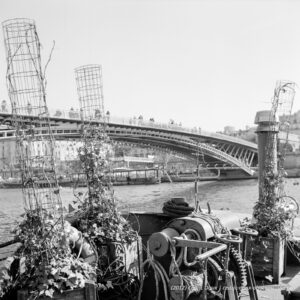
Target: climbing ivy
x,y
43,264
273,216
98,217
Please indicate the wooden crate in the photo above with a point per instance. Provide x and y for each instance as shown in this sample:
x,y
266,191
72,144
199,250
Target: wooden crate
x,y
267,256
130,254
89,292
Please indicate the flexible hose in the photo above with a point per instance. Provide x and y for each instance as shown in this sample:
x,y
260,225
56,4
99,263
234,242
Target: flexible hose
x,y
159,274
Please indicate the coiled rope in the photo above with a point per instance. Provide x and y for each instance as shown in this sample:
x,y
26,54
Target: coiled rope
x,y
177,207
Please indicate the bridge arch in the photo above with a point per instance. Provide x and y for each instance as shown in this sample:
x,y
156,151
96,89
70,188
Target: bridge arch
x,y
232,152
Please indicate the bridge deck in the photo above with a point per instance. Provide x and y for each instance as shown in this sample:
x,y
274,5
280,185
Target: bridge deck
x,y
221,149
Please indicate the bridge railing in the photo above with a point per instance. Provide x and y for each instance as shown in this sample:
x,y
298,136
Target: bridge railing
x,y
74,114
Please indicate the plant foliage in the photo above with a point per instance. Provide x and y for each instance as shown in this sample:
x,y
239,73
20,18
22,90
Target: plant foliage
x,y
99,219
45,264
274,213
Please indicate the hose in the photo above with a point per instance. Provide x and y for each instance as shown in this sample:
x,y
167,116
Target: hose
x,y
159,274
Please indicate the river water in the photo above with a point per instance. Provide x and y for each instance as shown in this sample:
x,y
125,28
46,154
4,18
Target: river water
x,y
236,196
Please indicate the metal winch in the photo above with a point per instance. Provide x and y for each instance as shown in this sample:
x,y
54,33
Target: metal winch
x,y
200,258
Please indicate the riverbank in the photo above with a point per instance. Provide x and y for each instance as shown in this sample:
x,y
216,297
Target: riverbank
x,y
224,176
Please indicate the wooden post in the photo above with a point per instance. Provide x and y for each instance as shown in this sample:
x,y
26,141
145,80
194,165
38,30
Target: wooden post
x,y
90,291
22,295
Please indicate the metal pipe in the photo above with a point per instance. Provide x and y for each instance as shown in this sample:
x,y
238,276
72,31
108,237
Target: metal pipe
x,y
180,242
267,131
211,252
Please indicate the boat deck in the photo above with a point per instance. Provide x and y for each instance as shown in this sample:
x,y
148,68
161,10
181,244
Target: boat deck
x,y
290,282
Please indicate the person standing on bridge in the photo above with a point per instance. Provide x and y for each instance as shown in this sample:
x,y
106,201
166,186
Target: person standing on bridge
x,y
4,106
58,113
71,113
140,120
97,114
107,116
29,108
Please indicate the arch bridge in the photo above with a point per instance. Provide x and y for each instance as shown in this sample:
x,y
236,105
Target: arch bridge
x,y
213,151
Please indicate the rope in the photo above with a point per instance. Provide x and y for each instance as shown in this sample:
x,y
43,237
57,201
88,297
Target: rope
x,y
159,274
215,223
177,208
174,268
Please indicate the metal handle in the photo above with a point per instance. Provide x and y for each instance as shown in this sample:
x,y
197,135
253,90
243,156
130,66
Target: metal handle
x,y
214,247
211,252
246,231
229,238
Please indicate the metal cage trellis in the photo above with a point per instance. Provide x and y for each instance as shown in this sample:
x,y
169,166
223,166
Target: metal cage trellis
x,y
90,92
96,143
282,104
26,88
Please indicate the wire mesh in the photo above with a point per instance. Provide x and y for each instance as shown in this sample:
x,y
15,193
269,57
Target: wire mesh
x,y
283,98
90,92
283,101
282,104
25,76
94,152
26,87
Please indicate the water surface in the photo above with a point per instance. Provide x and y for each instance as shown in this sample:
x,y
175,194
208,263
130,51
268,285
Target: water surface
x,y
236,196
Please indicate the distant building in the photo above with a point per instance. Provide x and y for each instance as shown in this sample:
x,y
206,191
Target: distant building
x,y
7,155
64,151
229,130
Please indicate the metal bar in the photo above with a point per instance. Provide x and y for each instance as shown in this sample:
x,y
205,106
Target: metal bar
x,y
222,147
228,147
233,148
247,155
253,154
237,153
241,153
14,241
180,242
211,252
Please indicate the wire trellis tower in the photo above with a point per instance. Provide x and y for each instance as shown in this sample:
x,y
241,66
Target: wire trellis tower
x,y
26,87
96,144
90,92
282,104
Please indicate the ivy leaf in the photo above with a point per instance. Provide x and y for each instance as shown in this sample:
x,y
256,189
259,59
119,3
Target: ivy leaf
x,y
49,293
109,285
69,284
5,275
66,270
53,271
22,265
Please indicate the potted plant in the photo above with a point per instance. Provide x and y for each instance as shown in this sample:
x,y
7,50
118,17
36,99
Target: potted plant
x,y
44,265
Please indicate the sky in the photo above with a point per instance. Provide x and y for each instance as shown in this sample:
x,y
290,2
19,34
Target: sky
x,y
208,63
